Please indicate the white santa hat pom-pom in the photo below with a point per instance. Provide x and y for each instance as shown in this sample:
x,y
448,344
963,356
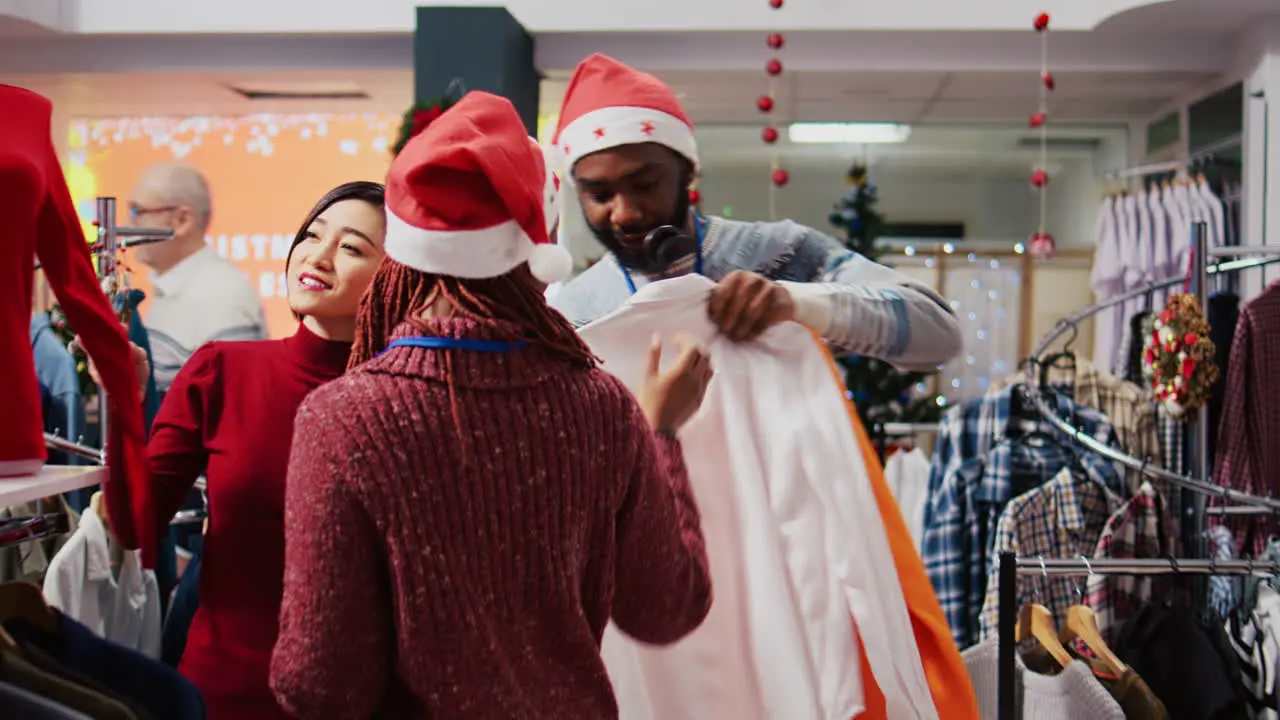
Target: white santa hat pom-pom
x,y
550,263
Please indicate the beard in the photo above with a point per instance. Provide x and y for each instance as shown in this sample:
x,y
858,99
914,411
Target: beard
x,y
659,249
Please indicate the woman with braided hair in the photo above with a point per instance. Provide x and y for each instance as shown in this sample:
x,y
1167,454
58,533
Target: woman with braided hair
x,y
474,501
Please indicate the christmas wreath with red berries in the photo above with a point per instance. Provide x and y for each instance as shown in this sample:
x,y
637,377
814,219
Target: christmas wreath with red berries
x,y
417,118
1179,356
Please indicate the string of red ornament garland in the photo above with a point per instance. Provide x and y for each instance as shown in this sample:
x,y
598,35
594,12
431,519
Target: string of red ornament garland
x,y
1178,356
1041,244
767,103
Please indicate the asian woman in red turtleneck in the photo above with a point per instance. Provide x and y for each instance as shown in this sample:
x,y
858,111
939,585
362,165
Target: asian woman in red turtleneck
x,y
229,416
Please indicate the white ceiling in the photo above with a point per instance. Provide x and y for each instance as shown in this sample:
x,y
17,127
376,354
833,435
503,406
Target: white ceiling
x,y
920,97
977,150
710,97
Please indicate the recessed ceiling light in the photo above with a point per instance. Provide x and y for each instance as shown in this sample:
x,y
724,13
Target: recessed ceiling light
x,y
848,133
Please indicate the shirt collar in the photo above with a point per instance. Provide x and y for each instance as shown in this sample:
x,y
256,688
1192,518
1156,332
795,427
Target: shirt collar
x,y
172,281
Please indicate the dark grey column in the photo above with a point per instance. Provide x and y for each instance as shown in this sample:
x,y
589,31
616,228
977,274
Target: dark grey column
x,y
483,47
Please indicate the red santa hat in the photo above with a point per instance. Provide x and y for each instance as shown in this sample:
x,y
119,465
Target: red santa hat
x,y
468,197
608,104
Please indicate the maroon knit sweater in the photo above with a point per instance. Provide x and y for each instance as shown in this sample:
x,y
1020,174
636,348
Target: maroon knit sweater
x,y
428,577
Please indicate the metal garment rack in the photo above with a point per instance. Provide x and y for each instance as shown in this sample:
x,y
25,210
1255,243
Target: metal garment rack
x,y
1198,158
111,238
53,442
1199,483
881,432
1010,566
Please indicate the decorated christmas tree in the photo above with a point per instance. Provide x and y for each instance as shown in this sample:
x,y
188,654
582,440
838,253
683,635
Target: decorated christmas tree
x,y
880,392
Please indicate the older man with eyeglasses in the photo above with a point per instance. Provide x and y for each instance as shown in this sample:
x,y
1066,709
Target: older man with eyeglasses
x,y
198,295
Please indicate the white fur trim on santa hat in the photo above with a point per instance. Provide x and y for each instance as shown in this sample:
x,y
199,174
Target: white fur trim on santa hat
x,y
485,253
613,126
550,263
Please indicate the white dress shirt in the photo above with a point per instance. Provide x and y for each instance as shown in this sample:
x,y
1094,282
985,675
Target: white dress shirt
x,y
800,559
123,609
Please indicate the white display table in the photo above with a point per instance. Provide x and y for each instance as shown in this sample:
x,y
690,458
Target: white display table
x,y
51,480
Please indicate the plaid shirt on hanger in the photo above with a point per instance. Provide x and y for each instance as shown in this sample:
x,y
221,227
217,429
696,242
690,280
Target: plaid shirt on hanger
x,y
1141,528
1130,409
1248,449
1063,519
973,476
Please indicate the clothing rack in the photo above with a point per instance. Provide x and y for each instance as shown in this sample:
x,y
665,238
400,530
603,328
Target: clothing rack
x,y
188,517
1145,170
53,442
1238,510
1236,250
1209,153
112,237
16,531
1010,567
881,432
1203,156
1198,483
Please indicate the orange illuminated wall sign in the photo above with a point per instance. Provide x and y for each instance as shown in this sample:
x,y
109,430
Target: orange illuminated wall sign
x,y
265,172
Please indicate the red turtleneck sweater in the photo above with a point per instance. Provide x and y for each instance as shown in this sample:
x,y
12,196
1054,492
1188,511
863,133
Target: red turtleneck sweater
x,y
229,415
431,578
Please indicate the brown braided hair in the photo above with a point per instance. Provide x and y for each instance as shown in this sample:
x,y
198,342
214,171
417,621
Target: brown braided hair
x,y
398,292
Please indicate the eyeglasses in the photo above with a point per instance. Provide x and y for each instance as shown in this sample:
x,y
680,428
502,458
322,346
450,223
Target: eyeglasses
x,y
136,212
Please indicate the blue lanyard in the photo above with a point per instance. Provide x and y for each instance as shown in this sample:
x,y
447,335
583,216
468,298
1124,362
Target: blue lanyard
x,y
444,343
699,232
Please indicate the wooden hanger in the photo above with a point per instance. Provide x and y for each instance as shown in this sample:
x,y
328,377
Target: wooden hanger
x,y
24,601
1083,623
1036,621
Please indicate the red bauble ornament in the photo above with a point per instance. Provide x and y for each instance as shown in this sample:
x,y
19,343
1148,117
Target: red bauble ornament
x,y
695,197
1041,246
781,177
1039,179
773,67
1042,22
769,135
775,4
775,41
765,103
1037,119
1047,78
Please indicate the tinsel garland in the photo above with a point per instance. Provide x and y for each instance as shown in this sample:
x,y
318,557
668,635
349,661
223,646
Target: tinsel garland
x,y
1178,356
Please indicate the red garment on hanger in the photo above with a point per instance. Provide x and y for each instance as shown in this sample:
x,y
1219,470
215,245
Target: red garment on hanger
x,y
40,221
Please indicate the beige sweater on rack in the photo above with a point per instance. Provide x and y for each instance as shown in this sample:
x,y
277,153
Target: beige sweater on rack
x,y
1071,694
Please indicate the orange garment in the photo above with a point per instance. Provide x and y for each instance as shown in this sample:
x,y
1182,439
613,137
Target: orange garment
x,y
949,683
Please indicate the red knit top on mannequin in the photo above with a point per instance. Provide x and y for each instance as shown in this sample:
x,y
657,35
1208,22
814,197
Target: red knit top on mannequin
x,y
40,221
458,554
229,415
